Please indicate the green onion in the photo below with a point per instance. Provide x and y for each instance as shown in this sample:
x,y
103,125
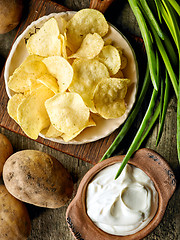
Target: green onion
x,y
147,41
164,109
173,24
152,19
164,55
175,5
150,125
158,21
141,129
158,11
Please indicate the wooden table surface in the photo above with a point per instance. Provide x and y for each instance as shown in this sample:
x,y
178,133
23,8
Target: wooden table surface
x,y
48,224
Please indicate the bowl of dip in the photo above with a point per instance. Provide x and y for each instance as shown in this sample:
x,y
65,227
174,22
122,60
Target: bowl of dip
x,y
129,207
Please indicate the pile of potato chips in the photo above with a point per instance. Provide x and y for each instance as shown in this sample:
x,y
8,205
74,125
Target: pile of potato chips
x,y
70,73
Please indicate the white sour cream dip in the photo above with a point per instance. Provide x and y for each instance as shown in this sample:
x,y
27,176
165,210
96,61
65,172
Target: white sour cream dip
x,y
123,206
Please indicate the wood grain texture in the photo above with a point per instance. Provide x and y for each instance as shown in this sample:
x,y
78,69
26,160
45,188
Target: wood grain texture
x,y
101,5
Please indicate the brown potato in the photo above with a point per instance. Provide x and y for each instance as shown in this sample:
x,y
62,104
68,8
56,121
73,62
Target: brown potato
x,y
10,14
14,218
37,178
6,150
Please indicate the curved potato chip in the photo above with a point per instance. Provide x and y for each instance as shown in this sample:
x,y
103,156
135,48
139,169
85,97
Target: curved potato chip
x,y
109,97
60,68
62,23
49,81
46,41
87,74
124,61
67,112
52,132
34,85
13,105
119,74
68,137
111,58
83,22
31,114
26,73
63,43
90,47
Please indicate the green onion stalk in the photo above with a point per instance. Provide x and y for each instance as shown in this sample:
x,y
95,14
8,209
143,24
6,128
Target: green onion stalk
x,y
158,21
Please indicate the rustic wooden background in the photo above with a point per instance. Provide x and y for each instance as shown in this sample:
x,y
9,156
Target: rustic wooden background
x,y
48,224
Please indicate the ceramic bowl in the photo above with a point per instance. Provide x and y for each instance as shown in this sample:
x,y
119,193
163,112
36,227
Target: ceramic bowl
x,y
153,165
103,127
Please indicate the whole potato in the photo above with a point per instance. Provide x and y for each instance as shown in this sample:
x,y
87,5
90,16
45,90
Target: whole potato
x,y
6,150
37,178
14,219
10,14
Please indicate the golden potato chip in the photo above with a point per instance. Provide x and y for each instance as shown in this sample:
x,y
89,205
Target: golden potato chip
x,y
63,44
123,61
87,74
107,42
119,74
109,97
46,41
13,105
34,85
67,112
60,68
69,136
83,22
49,81
26,73
111,58
90,47
52,132
123,58
31,114
62,23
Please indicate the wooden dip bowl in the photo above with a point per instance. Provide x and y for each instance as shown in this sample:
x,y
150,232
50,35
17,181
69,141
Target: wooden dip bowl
x,y
153,165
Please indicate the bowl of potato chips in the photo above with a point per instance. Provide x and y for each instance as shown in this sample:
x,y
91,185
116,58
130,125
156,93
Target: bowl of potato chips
x,y
71,77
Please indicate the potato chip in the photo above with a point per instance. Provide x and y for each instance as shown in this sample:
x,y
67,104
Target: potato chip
x,y
123,58
123,61
46,41
67,112
13,105
63,45
68,137
109,97
83,22
31,114
49,81
87,74
62,23
52,132
119,74
60,68
34,85
107,42
111,58
90,47
26,73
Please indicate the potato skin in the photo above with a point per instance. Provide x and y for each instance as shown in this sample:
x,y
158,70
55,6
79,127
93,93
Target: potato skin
x,y
37,178
10,14
6,150
14,218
